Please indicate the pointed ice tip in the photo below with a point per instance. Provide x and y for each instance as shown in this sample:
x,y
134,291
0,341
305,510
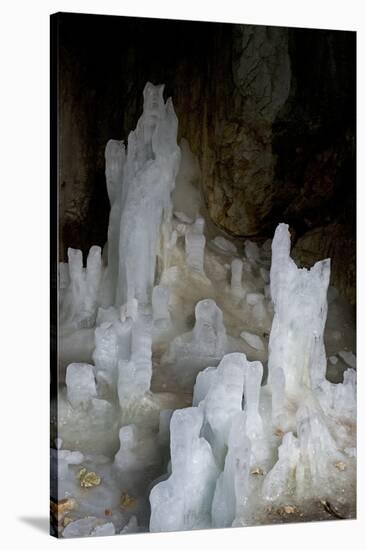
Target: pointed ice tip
x,y
323,268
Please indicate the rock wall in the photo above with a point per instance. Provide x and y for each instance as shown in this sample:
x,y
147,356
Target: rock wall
x,y
269,111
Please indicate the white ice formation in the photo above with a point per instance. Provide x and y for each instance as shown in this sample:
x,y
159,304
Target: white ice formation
x,y
204,345
195,245
244,422
164,395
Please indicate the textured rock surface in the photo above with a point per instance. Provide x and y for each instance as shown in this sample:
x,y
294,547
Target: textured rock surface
x,y
270,113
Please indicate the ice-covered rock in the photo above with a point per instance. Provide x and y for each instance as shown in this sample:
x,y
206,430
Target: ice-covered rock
x,y
134,373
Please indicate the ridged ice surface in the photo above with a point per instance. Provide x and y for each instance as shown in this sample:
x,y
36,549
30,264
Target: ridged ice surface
x,y
203,382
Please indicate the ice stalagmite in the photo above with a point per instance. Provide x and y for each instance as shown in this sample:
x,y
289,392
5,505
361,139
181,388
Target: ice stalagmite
x,y
80,383
80,299
296,342
232,488
184,501
222,402
303,400
204,345
236,276
195,245
149,174
160,304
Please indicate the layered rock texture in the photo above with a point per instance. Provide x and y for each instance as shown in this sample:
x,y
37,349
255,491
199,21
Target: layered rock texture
x,y
268,111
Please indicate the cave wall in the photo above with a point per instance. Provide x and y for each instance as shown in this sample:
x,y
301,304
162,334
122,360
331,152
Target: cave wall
x,y
269,111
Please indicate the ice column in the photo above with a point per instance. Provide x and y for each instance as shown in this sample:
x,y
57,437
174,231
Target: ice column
x,y
318,452
149,174
209,332
160,304
253,375
204,345
300,304
112,344
232,488
184,501
236,276
79,304
223,401
134,374
80,383
115,158
195,245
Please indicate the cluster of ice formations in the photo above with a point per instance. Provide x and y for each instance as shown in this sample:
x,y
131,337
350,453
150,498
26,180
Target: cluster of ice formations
x,y
166,419
297,403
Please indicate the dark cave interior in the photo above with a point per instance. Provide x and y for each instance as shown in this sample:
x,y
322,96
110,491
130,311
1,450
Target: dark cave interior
x,y
301,169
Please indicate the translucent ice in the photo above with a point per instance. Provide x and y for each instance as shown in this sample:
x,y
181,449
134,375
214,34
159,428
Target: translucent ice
x,y
80,382
232,487
195,245
204,345
236,277
300,303
223,401
253,340
184,501
149,178
281,479
80,299
134,374
160,304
